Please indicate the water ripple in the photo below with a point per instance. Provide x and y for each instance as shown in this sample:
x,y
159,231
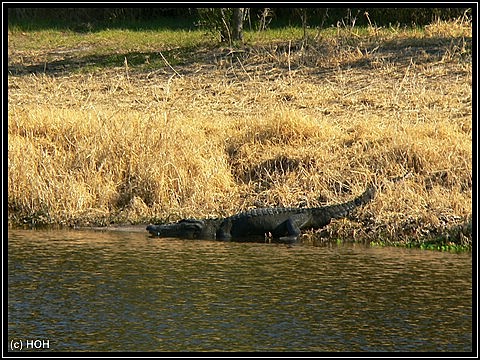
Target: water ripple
x,y
127,292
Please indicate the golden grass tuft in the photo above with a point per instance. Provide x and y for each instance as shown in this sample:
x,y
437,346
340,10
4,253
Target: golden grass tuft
x,y
108,146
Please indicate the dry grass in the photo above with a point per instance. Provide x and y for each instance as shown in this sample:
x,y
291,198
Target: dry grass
x,y
275,124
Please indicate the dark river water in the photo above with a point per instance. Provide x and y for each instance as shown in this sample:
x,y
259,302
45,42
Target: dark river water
x,y
114,291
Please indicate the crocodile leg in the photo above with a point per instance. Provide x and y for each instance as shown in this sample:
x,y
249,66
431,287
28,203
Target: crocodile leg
x,y
293,232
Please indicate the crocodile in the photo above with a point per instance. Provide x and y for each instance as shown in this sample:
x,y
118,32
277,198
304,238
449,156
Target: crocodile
x,y
280,224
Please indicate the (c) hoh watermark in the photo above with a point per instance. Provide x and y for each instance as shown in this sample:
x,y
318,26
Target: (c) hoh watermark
x,y
30,344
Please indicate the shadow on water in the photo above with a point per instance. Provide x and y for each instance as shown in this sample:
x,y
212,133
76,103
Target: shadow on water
x,y
94,291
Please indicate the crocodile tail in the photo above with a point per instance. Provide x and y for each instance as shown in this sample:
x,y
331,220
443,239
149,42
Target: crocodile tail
x,y
342,210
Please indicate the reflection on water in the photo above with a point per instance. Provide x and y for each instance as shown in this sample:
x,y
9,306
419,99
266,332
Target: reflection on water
x,y
94,291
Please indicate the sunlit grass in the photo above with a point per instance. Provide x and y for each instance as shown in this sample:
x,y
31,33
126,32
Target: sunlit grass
x,y
105,41
142,141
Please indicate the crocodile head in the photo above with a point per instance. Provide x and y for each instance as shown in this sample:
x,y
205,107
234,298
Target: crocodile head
x,y
191,229
185,229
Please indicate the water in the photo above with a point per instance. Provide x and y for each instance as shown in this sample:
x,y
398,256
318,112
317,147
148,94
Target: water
x,y
99,291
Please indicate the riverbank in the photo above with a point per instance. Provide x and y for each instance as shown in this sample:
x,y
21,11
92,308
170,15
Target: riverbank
x,y
104,128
